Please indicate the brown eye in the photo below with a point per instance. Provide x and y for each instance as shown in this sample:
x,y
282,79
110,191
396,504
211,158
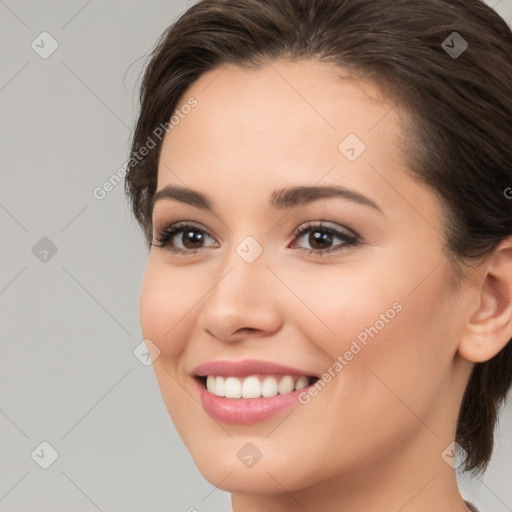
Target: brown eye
x,y
181,238
321,238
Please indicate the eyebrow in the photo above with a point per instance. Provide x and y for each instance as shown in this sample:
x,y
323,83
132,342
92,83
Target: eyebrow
x,y
279,199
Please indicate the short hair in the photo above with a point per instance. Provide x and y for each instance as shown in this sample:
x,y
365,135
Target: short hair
x,y
446,63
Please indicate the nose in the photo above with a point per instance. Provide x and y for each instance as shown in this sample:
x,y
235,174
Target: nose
x,y
239,303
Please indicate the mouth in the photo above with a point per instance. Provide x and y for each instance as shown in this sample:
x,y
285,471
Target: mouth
x,y
255,386
250,390
252,399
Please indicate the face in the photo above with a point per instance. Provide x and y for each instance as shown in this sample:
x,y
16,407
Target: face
x,y
347,283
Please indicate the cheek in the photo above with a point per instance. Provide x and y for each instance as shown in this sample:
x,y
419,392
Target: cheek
x,y
389,328
334,306
396,352
167,299
166,306
405,366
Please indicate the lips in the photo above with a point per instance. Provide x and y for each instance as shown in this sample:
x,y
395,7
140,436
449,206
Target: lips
x,y
245,406
247,367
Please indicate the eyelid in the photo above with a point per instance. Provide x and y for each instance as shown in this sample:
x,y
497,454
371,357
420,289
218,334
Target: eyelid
x,y
166,234
325,225
163,235
349,237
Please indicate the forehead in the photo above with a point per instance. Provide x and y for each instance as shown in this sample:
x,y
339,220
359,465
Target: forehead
x,y
279,115
300,96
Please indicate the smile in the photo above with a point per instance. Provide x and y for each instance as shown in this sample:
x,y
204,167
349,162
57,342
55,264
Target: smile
x,y
256,386
249,391
244,411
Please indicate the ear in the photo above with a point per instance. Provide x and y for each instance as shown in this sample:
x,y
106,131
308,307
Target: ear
x,y
489,327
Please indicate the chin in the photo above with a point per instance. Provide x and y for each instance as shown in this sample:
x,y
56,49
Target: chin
x,y
224,470
247,480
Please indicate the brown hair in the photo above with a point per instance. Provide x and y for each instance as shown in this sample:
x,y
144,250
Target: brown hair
x,y
459,108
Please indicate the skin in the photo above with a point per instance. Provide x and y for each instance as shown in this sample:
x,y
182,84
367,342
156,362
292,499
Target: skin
x,y
372,439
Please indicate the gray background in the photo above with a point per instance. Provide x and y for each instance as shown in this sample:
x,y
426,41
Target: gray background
x,y
70,319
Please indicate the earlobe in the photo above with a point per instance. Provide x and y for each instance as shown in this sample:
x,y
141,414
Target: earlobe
x,y
489,327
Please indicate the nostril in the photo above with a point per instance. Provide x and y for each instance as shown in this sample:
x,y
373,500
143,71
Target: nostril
x,y
244,331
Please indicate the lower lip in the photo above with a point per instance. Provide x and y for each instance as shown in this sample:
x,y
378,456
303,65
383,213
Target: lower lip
x,y
245,410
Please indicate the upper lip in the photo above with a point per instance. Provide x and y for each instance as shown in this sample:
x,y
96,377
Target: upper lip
x,y
246,367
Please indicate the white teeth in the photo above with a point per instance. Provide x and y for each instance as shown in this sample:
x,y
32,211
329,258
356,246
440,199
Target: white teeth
x,y
211,384
251,388
233,388
269,387
219,385
302,382
286,385
254,386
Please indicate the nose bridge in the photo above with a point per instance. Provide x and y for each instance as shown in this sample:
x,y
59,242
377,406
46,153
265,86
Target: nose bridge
x,y
245,274
240,296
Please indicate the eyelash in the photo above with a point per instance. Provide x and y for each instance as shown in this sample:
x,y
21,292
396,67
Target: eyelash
x,y
164,237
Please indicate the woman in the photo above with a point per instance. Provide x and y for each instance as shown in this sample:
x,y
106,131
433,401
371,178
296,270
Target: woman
x,y
325,189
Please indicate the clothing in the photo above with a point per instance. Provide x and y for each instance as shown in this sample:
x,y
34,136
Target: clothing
x,y
471,507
